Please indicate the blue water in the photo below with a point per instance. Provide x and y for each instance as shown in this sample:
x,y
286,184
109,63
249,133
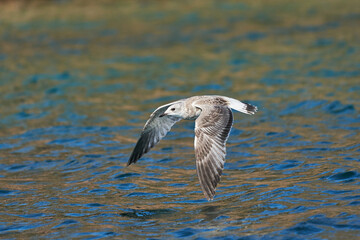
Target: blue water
x,y
76,92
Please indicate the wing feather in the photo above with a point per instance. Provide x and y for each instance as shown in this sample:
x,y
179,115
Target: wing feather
x,y
154,130
212,129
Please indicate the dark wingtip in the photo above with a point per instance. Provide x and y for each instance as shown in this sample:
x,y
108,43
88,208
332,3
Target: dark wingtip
x,y
133,158
130,162
139,150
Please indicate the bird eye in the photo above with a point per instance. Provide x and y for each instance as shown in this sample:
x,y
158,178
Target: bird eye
x,y
173,109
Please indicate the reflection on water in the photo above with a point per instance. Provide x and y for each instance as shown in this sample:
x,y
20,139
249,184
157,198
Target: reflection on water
x,y
77,88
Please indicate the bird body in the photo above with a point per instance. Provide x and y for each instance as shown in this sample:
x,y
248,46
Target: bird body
x,y
213,121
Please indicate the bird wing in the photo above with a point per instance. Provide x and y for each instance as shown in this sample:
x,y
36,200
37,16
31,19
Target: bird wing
x,y
154,130
212,129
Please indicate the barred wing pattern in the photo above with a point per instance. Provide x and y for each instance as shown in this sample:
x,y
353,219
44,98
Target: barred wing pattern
x,y
212,129
154,130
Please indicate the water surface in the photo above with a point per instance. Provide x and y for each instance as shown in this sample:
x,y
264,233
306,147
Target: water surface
x,y
79,81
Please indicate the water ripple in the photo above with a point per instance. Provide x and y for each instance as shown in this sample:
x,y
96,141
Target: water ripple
x,y
76,94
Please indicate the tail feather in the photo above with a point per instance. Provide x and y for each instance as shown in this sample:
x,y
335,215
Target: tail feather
x,y
241,107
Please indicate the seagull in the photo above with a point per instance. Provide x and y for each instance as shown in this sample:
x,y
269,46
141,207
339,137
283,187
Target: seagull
x,y
213,120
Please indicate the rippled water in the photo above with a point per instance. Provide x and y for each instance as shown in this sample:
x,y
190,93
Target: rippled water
x,y
79,81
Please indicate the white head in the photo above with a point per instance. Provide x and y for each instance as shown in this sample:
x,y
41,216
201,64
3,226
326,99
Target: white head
x,y
176,110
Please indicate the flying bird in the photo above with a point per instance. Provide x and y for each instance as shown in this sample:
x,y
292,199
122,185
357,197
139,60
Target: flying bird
x,y
213,120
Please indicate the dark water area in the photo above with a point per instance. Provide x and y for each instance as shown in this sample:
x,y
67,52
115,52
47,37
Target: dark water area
x,y
78,81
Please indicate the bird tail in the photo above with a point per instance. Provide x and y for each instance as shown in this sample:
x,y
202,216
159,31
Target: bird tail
x,y
240,106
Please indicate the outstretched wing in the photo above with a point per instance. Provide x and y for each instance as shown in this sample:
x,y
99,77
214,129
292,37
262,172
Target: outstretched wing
x,y
212,129
154,130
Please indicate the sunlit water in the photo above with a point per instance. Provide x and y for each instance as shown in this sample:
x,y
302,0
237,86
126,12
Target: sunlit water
x,y
76,91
